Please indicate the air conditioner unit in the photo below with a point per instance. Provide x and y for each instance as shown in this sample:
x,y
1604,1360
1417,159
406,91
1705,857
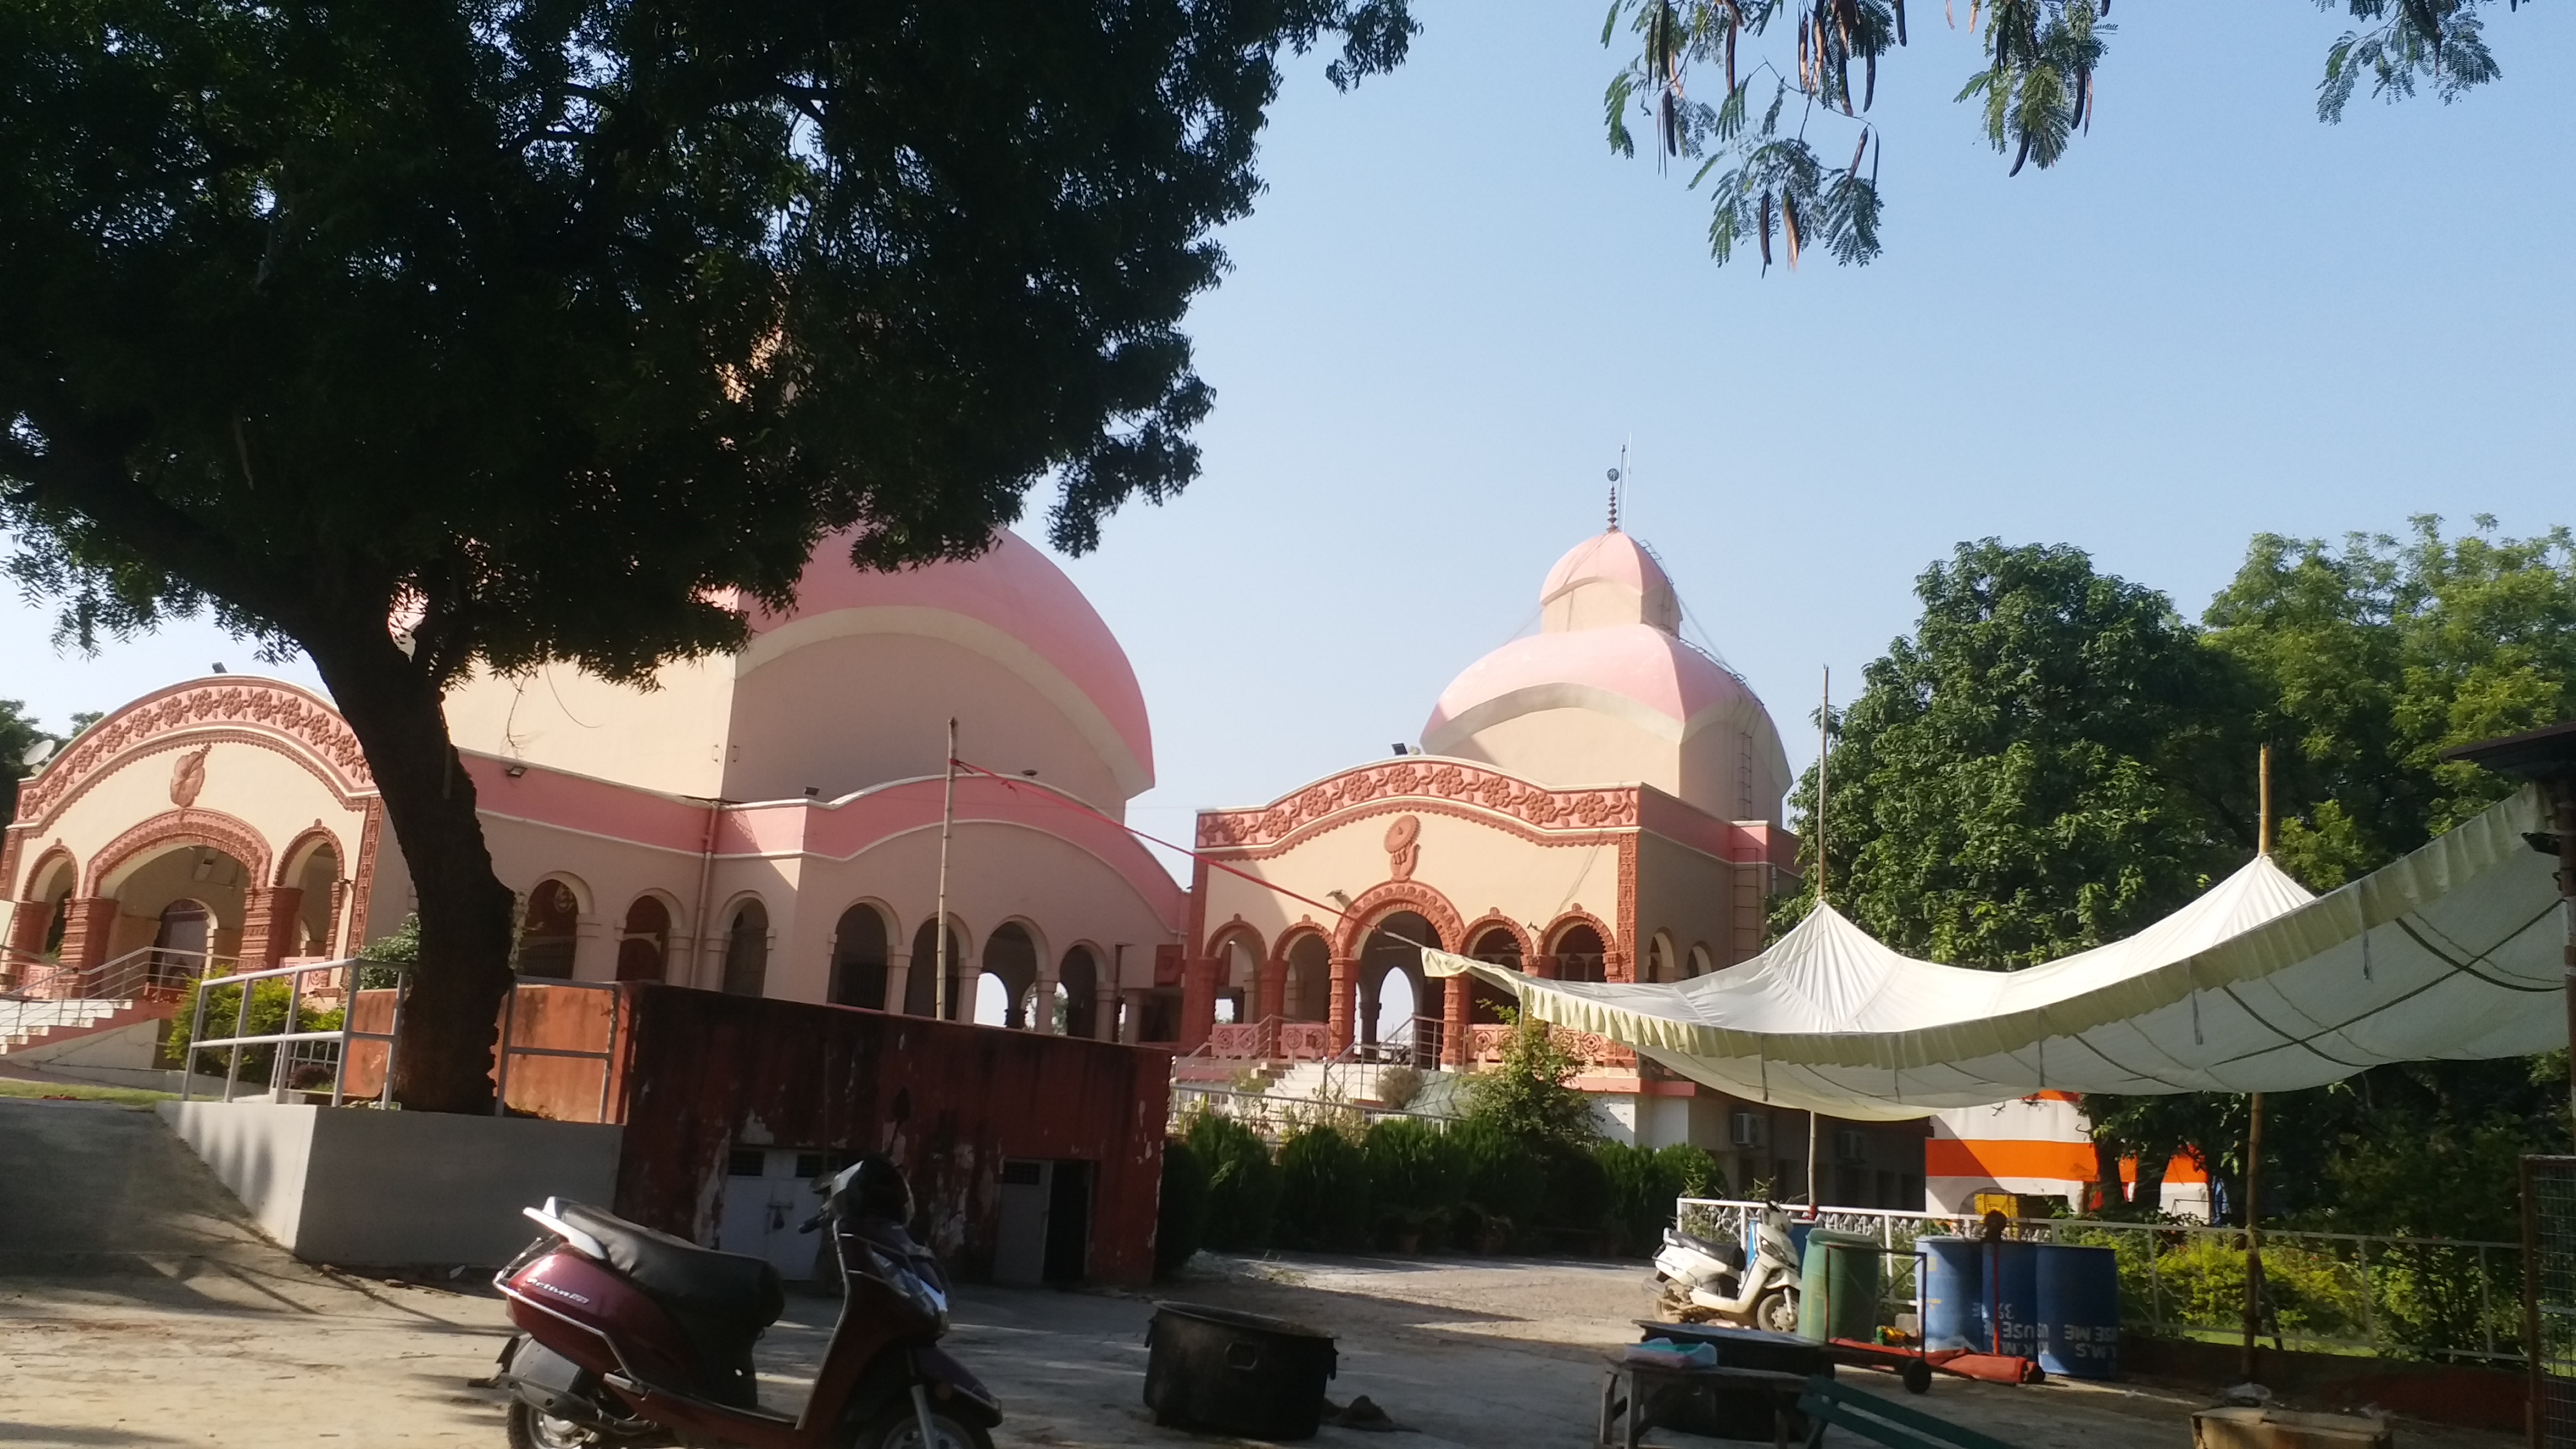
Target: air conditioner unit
x,y
1850,1145
1749,1129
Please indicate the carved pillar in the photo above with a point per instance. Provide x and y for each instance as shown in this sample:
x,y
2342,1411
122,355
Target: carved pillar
x,y
1270,991
1542,966
1616,966
1455,998
1104,1011
1344,1012
898,980
88,923
268,925
1198,1001
26,953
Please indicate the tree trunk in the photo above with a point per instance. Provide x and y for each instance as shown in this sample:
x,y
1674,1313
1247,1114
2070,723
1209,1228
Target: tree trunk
x,y
443,1059
2108,1193
2147,1195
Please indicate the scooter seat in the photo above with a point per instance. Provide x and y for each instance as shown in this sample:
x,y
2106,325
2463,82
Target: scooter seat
x,y
733,1289
1731,1254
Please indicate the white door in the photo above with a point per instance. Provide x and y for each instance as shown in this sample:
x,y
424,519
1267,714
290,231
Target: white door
x,y
768,1194
1019,1249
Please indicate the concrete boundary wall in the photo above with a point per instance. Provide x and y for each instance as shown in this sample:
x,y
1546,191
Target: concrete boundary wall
x,y
368,1188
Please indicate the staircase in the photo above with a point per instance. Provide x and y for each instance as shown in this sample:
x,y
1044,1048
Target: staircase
x,y
61,1003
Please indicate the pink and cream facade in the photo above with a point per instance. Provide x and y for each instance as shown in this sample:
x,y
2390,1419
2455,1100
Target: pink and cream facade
x,y
765,822
1599,801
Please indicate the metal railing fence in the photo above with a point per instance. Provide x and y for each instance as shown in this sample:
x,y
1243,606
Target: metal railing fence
x,y
295,1049
2440,1298
141,972
606,1056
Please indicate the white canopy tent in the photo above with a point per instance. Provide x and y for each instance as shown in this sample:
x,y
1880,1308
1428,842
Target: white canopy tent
x,y
2452,952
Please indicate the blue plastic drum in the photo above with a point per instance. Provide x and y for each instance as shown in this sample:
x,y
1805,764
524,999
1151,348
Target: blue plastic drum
x,y
2079,1311
2012,1297
1954,1292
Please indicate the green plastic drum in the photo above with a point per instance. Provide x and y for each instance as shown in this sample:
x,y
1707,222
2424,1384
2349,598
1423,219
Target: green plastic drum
x,y
1838,1287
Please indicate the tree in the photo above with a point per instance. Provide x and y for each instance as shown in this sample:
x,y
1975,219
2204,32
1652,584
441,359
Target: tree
x,y
2035,94
1525,1097
2030,772
2372,659
493,332
20,743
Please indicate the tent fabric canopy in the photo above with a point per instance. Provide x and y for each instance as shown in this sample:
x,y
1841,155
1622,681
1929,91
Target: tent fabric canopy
x,y
2452,952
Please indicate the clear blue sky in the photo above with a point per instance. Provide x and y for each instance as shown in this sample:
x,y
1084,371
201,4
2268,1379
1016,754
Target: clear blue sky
x,y
1452,305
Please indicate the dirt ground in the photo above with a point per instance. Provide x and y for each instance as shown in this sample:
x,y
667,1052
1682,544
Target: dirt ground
x,y
139,1307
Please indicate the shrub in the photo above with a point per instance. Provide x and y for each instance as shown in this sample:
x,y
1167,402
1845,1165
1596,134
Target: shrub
x,y
1323,1191
266,1017
1499,1175
1180,1217
1398,1086
1578,1195
383,956
1413,1167
1526,1096
1243,1183
1691,1172
1640,1202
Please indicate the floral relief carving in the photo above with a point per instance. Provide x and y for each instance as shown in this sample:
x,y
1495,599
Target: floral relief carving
x,y
1444,780
286,710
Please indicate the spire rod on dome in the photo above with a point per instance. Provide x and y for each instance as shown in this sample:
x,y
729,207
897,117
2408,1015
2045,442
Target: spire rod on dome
x,y
1617,475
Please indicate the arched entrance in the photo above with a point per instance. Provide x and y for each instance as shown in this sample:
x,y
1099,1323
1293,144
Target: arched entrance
x,y
1579,954
919,982
645,943
315,879
186,906
180,946
1394,949
746,960
859,959
1309,996
547,931
1080,975
1485,1004
1011,959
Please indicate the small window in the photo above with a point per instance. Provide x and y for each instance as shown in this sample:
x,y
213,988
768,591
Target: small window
x,y
747,1162
809,1164
1021,1174
1851,1145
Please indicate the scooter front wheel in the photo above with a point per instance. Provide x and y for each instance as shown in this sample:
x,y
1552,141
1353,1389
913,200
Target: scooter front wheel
x,y
900,1428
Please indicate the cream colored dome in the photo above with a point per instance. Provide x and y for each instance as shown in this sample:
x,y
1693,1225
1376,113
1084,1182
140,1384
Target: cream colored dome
x,y
1607,692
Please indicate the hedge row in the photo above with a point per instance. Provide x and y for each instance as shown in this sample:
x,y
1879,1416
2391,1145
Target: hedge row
x,y
1407,1185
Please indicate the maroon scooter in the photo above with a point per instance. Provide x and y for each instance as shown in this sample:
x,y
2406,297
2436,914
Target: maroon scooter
x,y
632,1338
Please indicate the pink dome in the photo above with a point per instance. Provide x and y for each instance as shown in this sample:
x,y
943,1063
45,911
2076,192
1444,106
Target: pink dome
x,y
1613,558
1636,662
1014,588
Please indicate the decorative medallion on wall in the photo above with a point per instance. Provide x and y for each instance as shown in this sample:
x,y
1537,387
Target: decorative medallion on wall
x,y
188,777
1403,847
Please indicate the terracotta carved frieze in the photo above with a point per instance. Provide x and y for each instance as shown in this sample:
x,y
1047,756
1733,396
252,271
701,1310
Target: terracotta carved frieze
x,y
285,710
1438,780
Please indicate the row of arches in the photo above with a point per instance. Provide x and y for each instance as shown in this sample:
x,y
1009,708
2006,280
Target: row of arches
x,y
866,969
204,888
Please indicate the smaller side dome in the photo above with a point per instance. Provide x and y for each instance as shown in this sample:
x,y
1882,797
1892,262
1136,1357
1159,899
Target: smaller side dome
x,y
1607,580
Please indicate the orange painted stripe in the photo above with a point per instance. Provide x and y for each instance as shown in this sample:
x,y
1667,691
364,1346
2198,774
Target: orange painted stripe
x,y
2061,1161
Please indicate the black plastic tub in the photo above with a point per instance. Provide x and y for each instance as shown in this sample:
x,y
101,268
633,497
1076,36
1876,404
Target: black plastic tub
x,y
1236,1373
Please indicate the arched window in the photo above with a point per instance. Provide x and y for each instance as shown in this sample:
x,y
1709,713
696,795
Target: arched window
x,y
1660,965
546,931
1498,947
746,966
179,946
859,959
317,912
1701,963
1578,954
646,942
922,979
1081,977
1310,979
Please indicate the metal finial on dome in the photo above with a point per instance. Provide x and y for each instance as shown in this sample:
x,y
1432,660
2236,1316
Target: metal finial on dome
x,y
1614,505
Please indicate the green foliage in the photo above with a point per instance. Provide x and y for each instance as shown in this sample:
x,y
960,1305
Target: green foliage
x,y
1181,1213
2024,775
1643,1184
1578,1195
1413,1166
18,738
226,1018
1323,1191
1525,1096
1243,1183
1502,1175
386,953
566,332
2034,94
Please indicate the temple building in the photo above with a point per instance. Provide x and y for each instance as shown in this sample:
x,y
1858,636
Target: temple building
x,y
766,822
1596,801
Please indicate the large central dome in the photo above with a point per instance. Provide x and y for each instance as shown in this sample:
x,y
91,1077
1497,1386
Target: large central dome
x,y
1607,693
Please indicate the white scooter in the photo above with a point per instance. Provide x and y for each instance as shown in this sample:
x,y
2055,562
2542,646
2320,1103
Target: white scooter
x,y
1698,1281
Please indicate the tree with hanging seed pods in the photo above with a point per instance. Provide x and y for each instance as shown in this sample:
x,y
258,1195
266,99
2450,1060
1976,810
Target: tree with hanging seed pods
x,y
2035,90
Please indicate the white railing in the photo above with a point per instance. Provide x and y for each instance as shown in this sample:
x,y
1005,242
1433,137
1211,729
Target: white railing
x,y
136,973
2332,1292
294,1048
